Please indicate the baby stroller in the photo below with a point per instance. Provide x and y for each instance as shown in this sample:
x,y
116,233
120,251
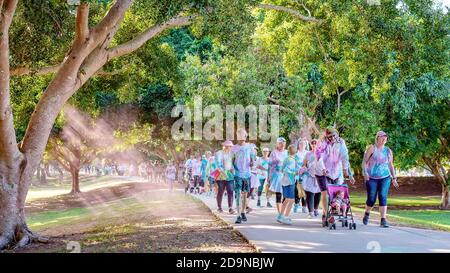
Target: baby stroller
x,y
333,214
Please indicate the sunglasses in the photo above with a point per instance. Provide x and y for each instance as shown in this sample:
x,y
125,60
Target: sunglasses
x,y
331,137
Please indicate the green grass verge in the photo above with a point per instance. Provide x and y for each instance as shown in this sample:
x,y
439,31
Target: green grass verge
x,y
359,199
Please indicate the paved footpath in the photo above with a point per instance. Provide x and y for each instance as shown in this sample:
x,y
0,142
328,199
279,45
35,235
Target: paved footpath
x,y
307,235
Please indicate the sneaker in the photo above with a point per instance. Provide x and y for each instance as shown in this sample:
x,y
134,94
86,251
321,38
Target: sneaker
x,y
249,209
366,219
296,208
316,213
231,211
384,223
280,218
305,210
258,203
238,220
269,205
244,218
220,210
310,215
287,221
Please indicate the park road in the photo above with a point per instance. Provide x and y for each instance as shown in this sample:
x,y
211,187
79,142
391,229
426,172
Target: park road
x,y
307,235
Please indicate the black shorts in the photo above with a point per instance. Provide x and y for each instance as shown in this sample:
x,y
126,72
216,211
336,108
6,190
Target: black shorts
x,y
197,181
323,181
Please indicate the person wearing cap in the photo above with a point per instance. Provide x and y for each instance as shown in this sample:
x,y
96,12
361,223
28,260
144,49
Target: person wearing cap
x,y
262,165
378,169
210,168
188,172
334,164
276,160
171,174
254,182
225,179
302,146
197,173
244,157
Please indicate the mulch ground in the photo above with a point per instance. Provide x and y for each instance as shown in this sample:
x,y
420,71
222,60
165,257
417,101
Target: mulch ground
x,y
177,223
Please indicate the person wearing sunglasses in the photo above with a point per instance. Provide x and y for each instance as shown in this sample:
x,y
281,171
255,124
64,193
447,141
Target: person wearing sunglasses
x,y
333,164
378,169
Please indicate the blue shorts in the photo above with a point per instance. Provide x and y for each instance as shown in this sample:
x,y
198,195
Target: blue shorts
x,y
241,184
289,191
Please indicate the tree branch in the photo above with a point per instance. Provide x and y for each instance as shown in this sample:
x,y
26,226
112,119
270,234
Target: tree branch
x,y
292,12
8,144
111,20
21,71
151,32
82,23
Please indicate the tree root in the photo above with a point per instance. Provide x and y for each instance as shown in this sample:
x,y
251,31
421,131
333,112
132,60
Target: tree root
x,y
23,237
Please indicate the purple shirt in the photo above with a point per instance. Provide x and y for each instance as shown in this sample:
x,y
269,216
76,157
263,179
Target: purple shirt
x,y
335,158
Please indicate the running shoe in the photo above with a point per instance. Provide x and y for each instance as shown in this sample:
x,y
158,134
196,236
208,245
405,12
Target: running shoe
x,y
316,213
249,209
231,211
280,218
238,220
310,215
366,219
305,210
296,208
287,221
258,203
220,210
243,217
269,205
384,223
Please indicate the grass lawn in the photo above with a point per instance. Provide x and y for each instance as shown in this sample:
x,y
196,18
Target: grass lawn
x,y
359,199
87,183
409,210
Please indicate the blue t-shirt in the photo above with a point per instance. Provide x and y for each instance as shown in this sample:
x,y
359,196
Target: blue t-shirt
x,y
243,155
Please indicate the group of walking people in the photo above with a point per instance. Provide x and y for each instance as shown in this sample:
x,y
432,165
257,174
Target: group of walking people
x,y
297,175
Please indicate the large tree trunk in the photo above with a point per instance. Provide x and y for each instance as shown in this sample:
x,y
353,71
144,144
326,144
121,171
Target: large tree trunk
x,y
75,173
60,172
442,176
47,170
13,228
445,201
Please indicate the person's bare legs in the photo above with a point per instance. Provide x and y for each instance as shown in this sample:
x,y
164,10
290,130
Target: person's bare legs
x,y
369,209
383,211
323,200
244,201
279,208
287,206
338,208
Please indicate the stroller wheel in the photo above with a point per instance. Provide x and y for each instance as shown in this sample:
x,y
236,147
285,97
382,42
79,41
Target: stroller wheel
x,y
346,223
334,226
354,225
